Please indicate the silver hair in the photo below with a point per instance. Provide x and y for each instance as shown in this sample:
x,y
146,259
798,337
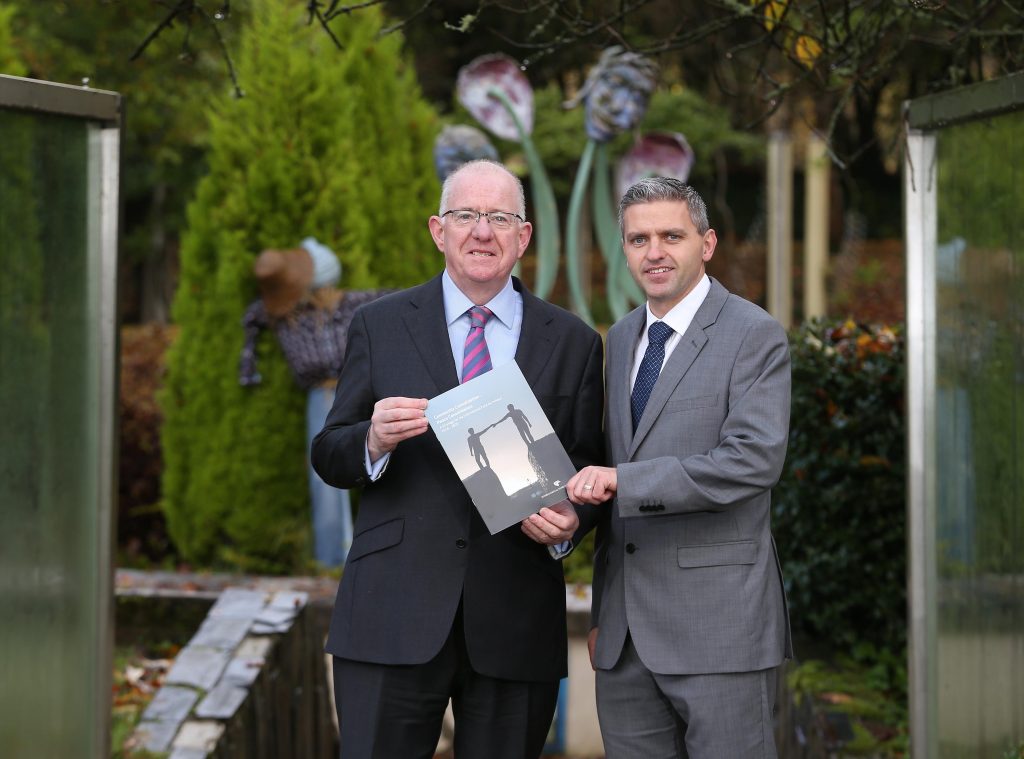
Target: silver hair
x,y
665,188
446,188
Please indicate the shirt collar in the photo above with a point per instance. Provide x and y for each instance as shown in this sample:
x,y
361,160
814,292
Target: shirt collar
x,y
502,305
682,313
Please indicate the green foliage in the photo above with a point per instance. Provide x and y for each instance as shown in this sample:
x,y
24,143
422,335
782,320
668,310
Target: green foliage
x,y
325,143
1014,753
877,711
839,508
10,62
165,93
578,566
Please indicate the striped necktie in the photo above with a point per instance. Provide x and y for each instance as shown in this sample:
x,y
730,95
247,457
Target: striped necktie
x,y
476,358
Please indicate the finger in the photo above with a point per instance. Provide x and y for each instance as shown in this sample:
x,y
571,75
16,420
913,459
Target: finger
x,y
562,517
398,401
534,534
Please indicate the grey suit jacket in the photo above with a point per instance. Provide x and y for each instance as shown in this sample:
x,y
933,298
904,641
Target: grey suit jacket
x,y
685,559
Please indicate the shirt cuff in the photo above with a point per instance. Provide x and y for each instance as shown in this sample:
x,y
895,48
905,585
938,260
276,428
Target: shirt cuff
x,y
375,470
560,550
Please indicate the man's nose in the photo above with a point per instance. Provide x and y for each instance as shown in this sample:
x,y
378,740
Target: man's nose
x,y
482,229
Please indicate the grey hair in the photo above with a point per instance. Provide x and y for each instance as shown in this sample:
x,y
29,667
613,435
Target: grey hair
x,y
446,187
665,188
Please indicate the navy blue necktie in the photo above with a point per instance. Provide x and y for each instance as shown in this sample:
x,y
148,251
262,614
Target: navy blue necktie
x,y
650,368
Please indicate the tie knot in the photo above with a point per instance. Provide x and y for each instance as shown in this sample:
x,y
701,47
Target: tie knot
x,y
479,315
658,333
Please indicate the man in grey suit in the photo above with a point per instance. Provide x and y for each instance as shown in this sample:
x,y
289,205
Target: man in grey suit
x,y
689,617
431,606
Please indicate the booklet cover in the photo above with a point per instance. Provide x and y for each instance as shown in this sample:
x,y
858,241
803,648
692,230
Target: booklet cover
x,y
501,445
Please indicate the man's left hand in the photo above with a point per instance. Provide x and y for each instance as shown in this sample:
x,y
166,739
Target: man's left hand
x,y
552,524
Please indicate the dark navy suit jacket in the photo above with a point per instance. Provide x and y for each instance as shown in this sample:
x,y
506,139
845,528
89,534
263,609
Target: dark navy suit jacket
x,y
419,545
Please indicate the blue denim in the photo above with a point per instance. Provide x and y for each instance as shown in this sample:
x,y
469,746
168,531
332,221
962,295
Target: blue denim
x,y
331,507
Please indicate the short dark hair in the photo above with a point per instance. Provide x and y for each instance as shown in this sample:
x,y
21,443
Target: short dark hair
x,y
665,188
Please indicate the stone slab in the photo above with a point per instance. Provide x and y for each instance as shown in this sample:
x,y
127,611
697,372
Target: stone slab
x,y
239,603
170,704
155,736
280,618
222,702
222,632
188,753
289,599
199,735
197,666
242,671
254,648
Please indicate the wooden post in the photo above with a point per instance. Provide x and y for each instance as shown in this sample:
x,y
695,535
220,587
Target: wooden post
x,y
816,197
780,228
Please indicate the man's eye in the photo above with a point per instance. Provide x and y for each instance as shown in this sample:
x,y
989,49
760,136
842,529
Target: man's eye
x,y
638,240
500,219
464,217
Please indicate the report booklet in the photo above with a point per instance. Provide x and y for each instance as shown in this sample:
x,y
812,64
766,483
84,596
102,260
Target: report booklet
x,y
501,445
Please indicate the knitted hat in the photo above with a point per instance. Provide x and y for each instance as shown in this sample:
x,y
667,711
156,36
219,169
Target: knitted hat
x,y
326,266
284,277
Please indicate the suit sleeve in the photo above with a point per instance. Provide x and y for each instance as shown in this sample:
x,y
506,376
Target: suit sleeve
x,y
751,450
587,445
337,450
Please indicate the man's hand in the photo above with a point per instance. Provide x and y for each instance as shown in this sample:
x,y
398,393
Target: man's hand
x,y
592,645
592,484
553,524
395,420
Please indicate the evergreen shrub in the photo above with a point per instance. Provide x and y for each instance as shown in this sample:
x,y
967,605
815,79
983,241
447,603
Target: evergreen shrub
x,y
331,143
839,515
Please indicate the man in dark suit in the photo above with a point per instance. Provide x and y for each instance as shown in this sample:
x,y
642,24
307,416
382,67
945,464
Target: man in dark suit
x,y
689,620
431,606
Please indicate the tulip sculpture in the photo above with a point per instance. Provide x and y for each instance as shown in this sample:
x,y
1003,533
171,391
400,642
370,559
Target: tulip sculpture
x,y
494,89
459,144
616,95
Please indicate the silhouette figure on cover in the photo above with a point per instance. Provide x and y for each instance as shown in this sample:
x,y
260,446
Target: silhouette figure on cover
x,y
520,421
477,448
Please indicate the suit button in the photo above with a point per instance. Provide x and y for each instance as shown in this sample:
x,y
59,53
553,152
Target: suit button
x,y
460,543
630,548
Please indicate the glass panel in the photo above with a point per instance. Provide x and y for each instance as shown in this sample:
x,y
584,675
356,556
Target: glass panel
x,y
50,456
979,437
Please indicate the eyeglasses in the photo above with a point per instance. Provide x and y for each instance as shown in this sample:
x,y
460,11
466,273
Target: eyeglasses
x,y
463,217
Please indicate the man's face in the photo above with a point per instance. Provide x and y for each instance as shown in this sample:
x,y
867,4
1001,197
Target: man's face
x,y
479,258
664,251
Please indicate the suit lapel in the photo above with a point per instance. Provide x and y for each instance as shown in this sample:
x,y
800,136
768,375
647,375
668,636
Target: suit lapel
x,y
619,370
686,351
536,341
425,320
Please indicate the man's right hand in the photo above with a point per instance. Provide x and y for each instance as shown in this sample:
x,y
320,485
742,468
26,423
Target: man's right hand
x,y
592,645
395,420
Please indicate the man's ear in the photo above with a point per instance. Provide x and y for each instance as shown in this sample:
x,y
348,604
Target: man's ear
x,y
525,232
436,227
710,242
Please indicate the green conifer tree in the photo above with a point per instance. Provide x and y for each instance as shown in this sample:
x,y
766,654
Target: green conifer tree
x,y
9,61
334,144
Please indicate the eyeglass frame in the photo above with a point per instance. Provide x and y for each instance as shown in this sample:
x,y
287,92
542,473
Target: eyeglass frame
x,y
485,214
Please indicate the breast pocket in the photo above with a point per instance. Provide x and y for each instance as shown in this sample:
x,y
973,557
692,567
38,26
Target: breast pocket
x,y
717,554
689,404
376,539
